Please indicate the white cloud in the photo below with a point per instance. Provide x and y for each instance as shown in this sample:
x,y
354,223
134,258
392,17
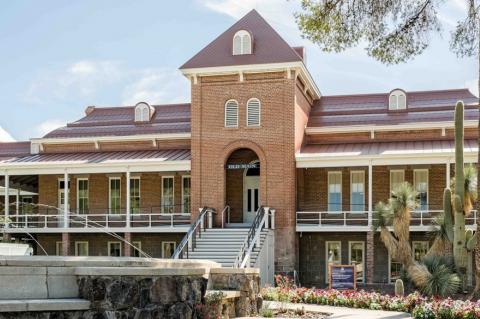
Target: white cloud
x,y
472,85
48,126
83,68
5,136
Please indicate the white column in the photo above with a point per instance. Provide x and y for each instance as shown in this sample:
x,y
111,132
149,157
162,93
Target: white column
x,y
7,198
370,193
448,174
66,200
127,216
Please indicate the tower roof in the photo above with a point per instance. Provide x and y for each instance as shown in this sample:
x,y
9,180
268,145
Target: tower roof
x,y
268,46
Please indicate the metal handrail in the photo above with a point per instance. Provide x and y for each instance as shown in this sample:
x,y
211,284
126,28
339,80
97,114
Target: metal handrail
x,y
227,211
249,243
189,241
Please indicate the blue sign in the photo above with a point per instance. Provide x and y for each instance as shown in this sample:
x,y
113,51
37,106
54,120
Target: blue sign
x,y
343,277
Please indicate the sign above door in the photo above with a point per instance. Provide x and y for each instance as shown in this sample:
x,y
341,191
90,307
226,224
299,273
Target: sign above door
x,y
242,166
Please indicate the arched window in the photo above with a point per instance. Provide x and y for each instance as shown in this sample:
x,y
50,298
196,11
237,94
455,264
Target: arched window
x,y
231,113
397,100
242,43
253,112
143,112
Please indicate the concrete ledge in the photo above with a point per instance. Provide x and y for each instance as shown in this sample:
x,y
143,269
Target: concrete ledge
x,y
227,294
245,271
44,305
16,271
138,271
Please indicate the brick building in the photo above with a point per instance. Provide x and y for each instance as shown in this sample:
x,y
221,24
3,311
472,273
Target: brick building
x,y
257,133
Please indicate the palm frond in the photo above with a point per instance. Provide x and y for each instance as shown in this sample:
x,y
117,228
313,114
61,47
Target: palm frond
x,y
382,216
470,173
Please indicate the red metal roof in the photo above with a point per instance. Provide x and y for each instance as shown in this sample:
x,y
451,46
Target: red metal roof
x,y
102,157
120,121
268,46
372,109
14,149
386,148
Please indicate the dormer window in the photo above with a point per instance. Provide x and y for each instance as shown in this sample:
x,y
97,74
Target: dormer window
x,y
143,112
242,43
397,100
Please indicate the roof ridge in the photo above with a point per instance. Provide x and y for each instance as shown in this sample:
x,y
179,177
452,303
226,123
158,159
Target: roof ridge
x,y
408,92
132,106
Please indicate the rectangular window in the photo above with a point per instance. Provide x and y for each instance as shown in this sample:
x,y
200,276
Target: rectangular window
x,y
420,179
397,177
186,182
61,193
82,196
394,270
59,248
136,252
420,249
334,191
357,189
81,248
167,195
115,195
356,256
168,248
114,249
135,195
27,205
333,255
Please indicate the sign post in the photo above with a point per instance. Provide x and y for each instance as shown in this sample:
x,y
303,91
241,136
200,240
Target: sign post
x,y
343,277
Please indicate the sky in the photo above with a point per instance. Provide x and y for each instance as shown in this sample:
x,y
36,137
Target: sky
x,y
58,57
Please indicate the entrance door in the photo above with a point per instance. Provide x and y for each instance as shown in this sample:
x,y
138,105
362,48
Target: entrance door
x,y
251,196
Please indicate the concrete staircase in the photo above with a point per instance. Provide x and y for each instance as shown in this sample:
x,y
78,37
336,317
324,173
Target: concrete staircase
x,y
222,245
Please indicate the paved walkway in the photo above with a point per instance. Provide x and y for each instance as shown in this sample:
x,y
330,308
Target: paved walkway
x,y
341,312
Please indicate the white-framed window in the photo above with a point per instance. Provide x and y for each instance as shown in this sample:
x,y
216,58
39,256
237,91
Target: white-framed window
x,y
135,195
394,269
231,113
115,195
114,249
397,100
397,177
82,195
253,112
356,256
334,191
58,248
333,256
81,248
61,193
136,252
420,180
27,204
357,191
242,43
143,112
419,249
186,184
167,195
168,248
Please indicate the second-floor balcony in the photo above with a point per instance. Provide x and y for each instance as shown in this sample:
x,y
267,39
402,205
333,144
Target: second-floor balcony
x,y
353,221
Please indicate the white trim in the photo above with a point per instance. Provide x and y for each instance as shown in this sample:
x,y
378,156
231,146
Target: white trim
x,y
114,242
78,193
162,204
351,189
37,143
229,104
256,68
139,193
363,255
326,256
81,242
392,127
163,248
59,248
137,244
259,112
390,178
84,167
242,50
110,195
328,190
428,183
183,194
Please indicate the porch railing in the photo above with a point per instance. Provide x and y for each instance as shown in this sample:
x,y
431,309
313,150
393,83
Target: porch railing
x,y
364,218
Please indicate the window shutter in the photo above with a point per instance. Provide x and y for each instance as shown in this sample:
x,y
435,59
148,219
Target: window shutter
x,y
246,44
393,102
402,103
237,45
253,112
231,114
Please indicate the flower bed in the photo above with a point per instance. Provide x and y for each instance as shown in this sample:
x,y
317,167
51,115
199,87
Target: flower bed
x,y
416,304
